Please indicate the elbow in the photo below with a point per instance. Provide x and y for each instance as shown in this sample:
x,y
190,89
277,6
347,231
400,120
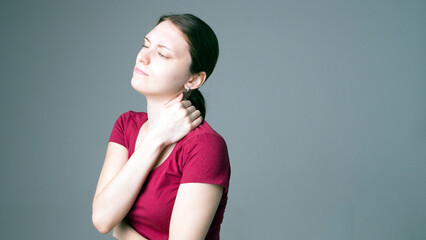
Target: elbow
x,y
101,224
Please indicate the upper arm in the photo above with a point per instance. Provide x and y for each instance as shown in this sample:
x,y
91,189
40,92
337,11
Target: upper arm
x,y
115,159
194,209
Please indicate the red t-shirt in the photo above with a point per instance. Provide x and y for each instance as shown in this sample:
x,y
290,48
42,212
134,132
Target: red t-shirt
x,y
201,157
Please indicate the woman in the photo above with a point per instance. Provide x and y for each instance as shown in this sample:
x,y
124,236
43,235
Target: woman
x,y
166,172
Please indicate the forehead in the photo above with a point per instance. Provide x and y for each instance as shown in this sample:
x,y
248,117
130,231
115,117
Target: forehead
x,y
167,34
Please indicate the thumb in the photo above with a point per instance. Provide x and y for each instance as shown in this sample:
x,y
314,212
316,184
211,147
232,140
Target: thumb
x,y
174,100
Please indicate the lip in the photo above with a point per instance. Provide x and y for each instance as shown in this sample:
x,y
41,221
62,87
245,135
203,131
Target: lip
x,y
140,72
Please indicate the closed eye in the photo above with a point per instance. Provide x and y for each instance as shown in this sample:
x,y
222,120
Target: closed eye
x,y
162,55
159,53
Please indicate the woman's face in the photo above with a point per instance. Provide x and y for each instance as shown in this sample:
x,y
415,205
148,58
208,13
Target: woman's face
x,y
162,65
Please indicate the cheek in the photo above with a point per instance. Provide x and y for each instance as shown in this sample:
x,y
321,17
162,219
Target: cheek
x,y
171,73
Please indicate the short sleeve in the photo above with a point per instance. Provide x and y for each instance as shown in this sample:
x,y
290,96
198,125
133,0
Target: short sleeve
x,y
117,134
206,160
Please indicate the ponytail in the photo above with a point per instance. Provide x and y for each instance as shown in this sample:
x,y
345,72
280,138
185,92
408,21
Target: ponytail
x,y
197,101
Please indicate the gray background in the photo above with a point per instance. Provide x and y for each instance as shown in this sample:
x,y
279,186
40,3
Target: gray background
x,y
322,104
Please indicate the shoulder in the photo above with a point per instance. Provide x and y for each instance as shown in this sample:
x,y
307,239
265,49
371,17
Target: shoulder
x,y
203,135
205,157
129,121
204,144
133,115
130,117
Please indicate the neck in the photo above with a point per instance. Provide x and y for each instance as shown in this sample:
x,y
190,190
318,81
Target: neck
x,y
154,107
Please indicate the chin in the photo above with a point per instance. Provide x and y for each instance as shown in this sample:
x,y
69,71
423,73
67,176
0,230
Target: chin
x,y
138,85
143,88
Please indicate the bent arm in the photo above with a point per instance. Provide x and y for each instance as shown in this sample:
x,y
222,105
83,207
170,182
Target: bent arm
x,y
121,181
195,207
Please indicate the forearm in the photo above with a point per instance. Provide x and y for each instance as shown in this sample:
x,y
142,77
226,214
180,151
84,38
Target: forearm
x,y
114,201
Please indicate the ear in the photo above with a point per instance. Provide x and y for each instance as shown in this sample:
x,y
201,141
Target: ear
x,y
196,80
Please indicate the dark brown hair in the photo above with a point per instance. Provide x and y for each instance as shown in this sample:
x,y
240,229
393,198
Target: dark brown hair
x,y
203,47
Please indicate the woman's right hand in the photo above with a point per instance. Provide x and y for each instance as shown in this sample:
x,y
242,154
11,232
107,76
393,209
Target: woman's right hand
x,y
176,120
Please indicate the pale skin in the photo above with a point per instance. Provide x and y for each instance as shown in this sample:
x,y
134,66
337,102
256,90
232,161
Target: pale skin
x,y
161,74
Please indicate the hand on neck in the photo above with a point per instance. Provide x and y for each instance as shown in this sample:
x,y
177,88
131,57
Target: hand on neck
x,y
154,107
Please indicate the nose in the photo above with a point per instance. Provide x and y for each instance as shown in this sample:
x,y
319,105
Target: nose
x,y
144,56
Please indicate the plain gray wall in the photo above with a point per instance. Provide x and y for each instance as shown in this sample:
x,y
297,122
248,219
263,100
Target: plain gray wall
x,y
322,104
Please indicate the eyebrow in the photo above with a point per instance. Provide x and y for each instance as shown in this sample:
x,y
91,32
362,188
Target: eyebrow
x,y
159,44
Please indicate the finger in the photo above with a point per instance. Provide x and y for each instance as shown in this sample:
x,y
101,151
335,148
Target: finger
x,y
186,103
194,115
174,100
197,122
190,109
